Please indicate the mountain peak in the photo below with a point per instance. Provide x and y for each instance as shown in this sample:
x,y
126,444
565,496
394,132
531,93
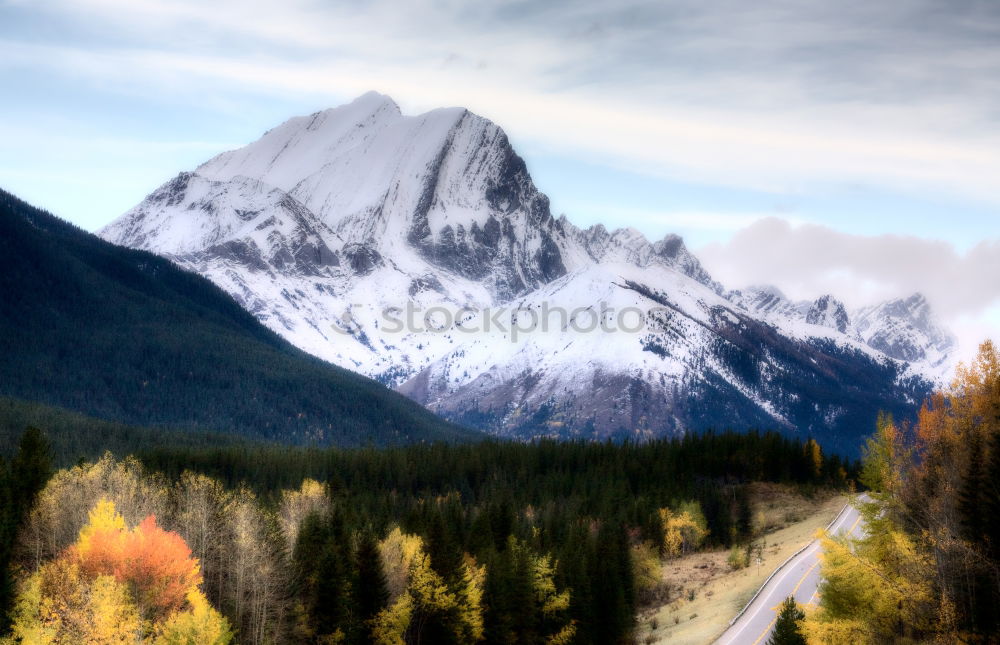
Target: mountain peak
x,y
374,100
906,329
363,110
671,246
768,289
827,311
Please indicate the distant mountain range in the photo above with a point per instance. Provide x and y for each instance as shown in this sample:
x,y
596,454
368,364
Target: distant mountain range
x,y
330,220
127,336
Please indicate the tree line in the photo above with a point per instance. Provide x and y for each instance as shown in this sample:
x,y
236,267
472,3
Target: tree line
x,y
492,542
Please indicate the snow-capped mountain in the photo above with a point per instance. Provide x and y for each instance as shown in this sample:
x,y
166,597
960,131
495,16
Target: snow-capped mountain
x,y
905,329
356,232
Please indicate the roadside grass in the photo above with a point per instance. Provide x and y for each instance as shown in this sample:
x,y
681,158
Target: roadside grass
x,y
708,593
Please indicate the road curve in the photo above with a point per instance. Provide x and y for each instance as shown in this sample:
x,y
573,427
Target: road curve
x,y
798,577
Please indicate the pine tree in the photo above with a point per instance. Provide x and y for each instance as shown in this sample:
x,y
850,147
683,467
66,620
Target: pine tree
x,y
574,563
991,501
323,576
443,549
501,517
20,482
507,587
787,628
8,531
744,518
371,593
970,495
31,467
613,590
985,580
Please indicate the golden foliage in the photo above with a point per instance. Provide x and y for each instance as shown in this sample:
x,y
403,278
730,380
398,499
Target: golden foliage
x,y
200,624
155,564
875,590
116,585
414,586
63,506
646,567
683,530
815,455
297,504
900,581
59,604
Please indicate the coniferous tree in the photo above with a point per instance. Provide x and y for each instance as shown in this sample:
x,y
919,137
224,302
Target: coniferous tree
x,y
507,588
787,627
979,587
991,502
970,496
744,519
443,548
31,467
991,533
574,561
371,593
20,482
8,531
322,561
613,588
501,517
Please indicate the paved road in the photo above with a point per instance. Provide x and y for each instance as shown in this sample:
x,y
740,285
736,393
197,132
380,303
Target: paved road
x,y
799,578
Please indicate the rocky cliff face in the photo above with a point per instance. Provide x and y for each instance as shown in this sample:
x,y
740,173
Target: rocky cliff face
x,y
905,329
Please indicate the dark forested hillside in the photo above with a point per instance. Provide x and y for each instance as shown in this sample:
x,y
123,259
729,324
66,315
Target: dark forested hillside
x,y
125,335
74,437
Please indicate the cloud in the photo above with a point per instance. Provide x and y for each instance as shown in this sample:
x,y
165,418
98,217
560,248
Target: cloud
x,y
781,96
807,261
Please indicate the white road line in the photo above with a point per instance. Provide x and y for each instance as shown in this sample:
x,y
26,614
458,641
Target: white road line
x,y
777,583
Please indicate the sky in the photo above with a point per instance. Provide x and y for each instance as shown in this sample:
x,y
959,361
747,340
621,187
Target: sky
x,y
849,147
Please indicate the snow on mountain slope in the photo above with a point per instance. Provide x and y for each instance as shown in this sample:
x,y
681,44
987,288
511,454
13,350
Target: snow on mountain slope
x,y
698,360
828,312
768,302
192,214
905,329
334,227
446,183
628,245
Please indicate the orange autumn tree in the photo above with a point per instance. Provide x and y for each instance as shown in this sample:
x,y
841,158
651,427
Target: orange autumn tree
x,y
155,564
117,584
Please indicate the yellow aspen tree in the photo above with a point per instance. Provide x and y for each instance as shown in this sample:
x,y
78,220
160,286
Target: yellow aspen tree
x,y
199,506
201,624
682,531
311,497
118,585
62,507
815,456
877,588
